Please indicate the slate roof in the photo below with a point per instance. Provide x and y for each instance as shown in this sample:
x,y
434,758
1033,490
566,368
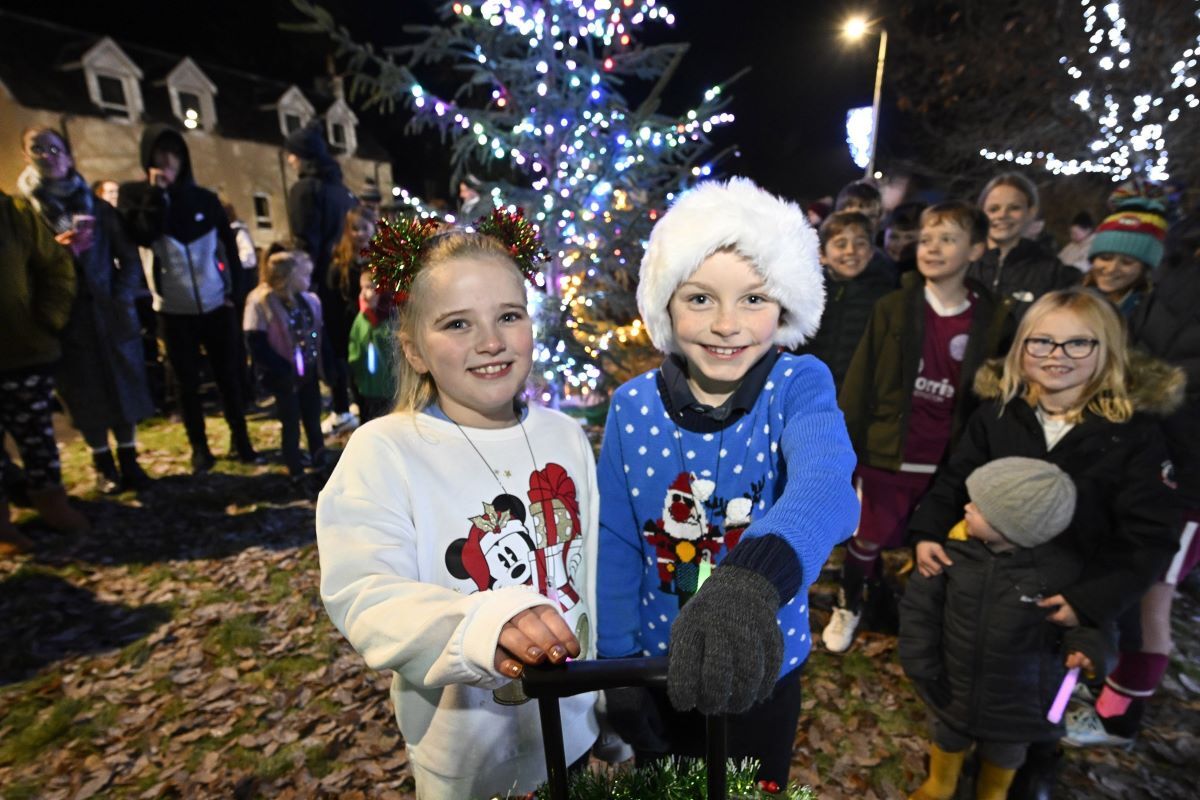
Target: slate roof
x,y
42,68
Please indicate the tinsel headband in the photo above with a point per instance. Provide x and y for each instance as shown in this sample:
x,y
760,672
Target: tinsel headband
x,y
397,249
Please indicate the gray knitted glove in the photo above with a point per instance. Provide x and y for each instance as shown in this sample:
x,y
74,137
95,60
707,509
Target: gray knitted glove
x,y
726,646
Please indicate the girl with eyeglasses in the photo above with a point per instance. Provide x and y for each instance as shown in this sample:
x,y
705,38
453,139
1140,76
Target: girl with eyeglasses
x,y
1070,392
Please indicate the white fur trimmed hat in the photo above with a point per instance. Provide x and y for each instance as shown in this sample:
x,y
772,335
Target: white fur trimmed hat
x,y
771,232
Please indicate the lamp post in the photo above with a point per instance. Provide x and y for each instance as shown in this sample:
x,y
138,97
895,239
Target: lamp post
x,y
854,29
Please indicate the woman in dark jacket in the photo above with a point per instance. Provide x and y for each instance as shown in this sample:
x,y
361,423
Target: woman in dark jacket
x,y
101,377
1014,267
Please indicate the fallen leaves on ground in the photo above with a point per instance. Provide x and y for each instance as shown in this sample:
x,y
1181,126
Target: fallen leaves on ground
x,y
180,650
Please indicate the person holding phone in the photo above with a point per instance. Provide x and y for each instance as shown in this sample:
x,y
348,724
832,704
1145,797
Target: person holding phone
x,y
197,282
101,376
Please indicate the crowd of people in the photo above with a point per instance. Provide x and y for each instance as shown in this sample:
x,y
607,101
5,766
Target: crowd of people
x,y
931,377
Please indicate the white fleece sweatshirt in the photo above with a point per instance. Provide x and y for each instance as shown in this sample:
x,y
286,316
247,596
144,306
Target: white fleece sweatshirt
x,y
426,552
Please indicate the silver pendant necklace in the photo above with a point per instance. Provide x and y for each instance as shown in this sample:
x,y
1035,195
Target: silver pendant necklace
x,y
486,463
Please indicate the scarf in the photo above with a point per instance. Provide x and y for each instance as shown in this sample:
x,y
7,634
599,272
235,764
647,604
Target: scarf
x,y
57,200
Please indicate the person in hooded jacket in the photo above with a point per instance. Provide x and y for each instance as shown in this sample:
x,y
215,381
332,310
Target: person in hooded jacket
x,y
101,377
317,206
196,280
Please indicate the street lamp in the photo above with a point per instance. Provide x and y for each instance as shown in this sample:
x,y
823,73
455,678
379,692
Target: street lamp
x,y
854,29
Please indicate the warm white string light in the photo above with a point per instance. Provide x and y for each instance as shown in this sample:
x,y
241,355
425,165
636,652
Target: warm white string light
x,y
1131,137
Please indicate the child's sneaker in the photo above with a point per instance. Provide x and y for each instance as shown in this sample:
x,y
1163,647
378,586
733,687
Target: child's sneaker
x,y
337,423
1086,729
839,633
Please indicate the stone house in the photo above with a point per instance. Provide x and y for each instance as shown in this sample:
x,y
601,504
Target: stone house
x,y
101,93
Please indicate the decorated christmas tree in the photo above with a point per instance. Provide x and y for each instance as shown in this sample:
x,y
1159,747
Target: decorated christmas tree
x,y
538,98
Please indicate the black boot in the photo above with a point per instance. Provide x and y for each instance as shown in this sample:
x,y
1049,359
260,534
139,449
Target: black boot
x,y
239,442
1036,778
108,480
202,460
132,474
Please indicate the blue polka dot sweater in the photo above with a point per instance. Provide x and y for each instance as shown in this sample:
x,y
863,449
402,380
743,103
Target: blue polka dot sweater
x,y
673,502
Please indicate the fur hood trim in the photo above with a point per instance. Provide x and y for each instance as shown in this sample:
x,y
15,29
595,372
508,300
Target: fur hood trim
x,y
771,232
1155,387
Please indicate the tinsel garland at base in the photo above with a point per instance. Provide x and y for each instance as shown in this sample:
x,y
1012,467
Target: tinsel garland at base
x,y
672,779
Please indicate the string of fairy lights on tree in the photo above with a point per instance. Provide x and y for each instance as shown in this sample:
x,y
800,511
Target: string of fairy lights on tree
x,y
540,108
1131,128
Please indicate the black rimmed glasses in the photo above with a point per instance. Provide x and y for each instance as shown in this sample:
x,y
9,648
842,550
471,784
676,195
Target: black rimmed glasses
x,y
45,150
1041,347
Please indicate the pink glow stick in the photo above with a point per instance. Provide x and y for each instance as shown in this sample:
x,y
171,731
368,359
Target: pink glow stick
x,y
299,361
1064,695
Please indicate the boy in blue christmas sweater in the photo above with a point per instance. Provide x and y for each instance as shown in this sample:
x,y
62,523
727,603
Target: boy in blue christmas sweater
x,y
725,478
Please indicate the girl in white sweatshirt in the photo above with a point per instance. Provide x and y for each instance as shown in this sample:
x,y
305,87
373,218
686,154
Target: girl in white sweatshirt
x,y
457,535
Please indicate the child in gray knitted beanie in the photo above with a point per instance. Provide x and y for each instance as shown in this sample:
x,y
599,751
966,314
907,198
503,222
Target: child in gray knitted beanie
x,y
974,640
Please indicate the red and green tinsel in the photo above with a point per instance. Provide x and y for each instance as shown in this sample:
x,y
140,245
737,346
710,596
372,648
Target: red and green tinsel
x,y
521,238
395,254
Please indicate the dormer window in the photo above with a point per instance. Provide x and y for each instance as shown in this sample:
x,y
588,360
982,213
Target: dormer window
x,y
294,111
192,96
113,80
340,124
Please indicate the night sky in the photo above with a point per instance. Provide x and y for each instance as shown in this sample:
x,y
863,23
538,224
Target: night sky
x,y
790,108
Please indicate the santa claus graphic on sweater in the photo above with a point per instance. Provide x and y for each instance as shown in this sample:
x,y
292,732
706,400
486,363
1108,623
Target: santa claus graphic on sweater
x,y
682,538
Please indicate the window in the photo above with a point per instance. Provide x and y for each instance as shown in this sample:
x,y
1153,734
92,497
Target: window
x,y
193,96
189,105
338,133
292,123
262,210
113,80
112,92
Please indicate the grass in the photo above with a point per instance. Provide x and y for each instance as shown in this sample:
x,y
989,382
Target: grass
x,y
49,726
291,666
241,630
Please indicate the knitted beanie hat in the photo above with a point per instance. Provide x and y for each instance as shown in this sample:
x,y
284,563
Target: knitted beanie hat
x,y
1028,500
772,233
1137,229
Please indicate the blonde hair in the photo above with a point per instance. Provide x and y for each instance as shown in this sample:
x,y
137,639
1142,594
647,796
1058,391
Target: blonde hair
x,y
1107,393
416,390
277,269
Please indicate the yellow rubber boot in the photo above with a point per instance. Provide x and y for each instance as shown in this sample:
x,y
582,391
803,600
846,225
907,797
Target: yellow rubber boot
x,y
943,775
993,781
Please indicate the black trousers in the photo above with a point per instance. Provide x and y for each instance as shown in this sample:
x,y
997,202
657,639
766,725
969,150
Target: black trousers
x,y
297,405
766,732
217,333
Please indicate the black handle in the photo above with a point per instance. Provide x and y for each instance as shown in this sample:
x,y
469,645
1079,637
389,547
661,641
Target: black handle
x,y
549,682
577,677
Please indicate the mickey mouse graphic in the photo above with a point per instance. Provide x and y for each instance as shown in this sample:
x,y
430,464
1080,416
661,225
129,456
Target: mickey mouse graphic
x,y
498,549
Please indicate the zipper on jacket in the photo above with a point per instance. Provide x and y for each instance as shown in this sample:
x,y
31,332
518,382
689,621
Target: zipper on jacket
x,y
187,248
985,613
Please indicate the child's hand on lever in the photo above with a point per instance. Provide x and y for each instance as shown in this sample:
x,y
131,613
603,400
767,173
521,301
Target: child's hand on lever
x,y
535,635
726,646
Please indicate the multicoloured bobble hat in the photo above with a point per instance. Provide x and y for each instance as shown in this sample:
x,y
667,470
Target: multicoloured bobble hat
x,y
1137,229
